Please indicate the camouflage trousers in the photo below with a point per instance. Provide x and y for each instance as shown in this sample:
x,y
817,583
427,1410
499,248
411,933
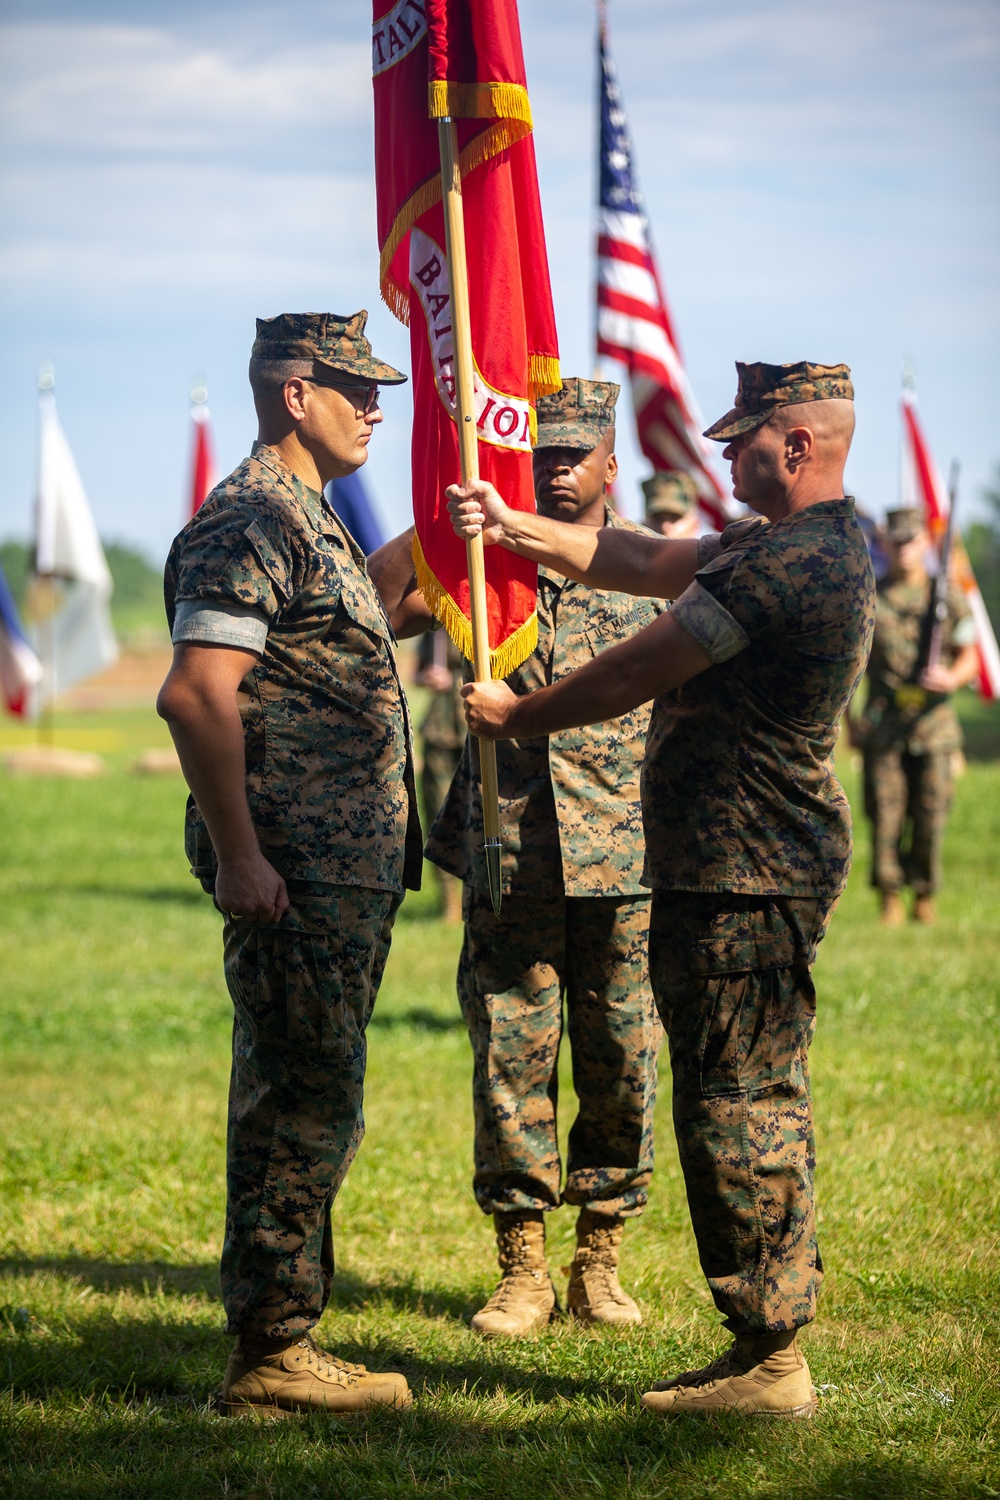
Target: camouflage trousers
x,y
732,982
302,992
514,974
907,798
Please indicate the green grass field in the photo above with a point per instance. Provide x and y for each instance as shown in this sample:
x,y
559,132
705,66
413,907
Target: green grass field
x,y
114,1030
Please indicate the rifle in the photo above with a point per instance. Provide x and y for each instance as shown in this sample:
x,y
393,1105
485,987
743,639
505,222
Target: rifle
x,y
911,696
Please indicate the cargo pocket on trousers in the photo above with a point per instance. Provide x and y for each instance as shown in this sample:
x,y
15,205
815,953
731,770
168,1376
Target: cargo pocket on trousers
x,y
735,1038
292,993
794,1010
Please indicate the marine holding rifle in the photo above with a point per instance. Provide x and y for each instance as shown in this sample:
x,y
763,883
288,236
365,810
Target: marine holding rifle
x,y
908,730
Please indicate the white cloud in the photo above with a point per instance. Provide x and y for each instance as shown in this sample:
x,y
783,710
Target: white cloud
x,y
129,90
126,230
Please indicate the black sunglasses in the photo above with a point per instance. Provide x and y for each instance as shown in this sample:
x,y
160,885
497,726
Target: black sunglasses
x,y
365,407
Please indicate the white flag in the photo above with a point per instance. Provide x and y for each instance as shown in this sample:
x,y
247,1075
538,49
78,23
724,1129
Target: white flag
x,y
71,624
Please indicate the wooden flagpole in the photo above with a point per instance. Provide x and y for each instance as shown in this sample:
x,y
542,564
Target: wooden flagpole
x,y
468,447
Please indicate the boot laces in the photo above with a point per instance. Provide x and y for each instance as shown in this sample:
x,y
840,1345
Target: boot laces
x,y
328,1364
599,1275
346,1365
603,1277
514,1253
729,1363
508,1286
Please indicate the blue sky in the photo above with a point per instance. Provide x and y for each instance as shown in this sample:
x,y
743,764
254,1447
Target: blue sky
x,y
821,182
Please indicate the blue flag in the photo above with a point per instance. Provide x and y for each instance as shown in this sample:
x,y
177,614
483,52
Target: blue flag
x,y
348,498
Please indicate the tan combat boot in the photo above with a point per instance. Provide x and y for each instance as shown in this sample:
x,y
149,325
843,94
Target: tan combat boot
x,y
276,1380
595,1294
924,910
764,1375
893,911
525,1300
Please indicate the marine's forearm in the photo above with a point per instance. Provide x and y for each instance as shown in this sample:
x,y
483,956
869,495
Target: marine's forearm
x,y
392,571
211,752
628,562
589,695
199,702
659,658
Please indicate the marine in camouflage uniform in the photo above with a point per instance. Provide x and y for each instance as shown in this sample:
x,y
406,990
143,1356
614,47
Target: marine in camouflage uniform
x,y
910,737
266,586
748,839
572,929
670,502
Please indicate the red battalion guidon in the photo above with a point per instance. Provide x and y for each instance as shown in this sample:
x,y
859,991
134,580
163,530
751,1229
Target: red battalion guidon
x,y
433,59
921,488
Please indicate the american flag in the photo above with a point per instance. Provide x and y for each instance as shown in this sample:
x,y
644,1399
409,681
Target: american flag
x,y
633,322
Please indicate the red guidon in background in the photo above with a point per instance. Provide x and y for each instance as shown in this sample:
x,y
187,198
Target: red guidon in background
x,y
432,60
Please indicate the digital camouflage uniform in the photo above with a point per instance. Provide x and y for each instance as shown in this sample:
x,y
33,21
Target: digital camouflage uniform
x,y
266,565
909,742
748,845
573,925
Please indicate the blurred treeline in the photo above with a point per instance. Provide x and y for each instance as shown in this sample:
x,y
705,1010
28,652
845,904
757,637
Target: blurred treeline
x,y
137,601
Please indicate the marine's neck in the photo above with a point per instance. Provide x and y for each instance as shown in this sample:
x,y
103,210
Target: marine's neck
x,y
294,457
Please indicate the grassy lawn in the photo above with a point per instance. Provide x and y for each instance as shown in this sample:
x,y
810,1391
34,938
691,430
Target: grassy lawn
x,y
114,1031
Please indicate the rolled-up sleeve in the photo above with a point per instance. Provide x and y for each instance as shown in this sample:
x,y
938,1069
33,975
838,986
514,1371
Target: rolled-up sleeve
x,y
209,623
709,623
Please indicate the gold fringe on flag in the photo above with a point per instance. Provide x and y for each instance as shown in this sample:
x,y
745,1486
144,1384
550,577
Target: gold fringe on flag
x,y
478,101
507,657
543,375
395,296
508,128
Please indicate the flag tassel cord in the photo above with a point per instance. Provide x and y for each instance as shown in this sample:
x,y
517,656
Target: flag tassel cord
x,y
468,444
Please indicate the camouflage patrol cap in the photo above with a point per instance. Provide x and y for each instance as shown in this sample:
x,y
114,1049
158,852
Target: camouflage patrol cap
x,y
578,416
330,340
670,494
763,388
903,525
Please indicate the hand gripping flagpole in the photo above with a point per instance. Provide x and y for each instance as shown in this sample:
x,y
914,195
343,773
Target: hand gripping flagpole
x,y
468,447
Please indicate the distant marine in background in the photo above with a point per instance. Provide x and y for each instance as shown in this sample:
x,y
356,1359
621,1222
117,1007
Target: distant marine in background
x,y
671,504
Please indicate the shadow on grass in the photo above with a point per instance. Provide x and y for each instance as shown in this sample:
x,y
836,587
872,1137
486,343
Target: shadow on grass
x,y
99,1350
151,1278
146,1278
155,894
419,1017
603,1454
